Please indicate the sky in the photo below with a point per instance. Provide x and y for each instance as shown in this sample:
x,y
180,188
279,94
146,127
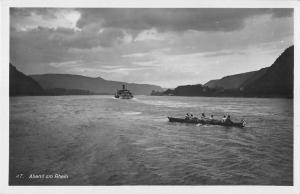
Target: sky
x,y
165,47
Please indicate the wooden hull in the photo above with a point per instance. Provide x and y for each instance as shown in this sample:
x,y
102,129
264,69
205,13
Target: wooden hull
x,y
206,122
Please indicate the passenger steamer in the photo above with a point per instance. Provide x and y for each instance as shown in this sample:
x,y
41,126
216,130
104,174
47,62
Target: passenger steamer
x,y
124,93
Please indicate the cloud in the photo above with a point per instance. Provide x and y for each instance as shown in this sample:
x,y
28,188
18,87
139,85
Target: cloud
x,y
166,19
151,34
168,47
28,18
224,53
67,64
93,27
36,46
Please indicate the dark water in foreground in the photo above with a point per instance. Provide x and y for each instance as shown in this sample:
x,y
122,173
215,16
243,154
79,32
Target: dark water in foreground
x,y
99,140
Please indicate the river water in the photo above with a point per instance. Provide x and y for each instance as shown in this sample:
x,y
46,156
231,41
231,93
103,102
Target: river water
x,y
99,140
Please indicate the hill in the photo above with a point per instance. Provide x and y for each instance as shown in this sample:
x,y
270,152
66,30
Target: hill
x,y
93,85
21,84
278,80
274,81
236,81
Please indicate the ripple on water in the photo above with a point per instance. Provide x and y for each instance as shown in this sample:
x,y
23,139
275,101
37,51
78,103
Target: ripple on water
x,y
101,141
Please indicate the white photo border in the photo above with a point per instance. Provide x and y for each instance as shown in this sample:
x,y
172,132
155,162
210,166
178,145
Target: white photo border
x,y
4,95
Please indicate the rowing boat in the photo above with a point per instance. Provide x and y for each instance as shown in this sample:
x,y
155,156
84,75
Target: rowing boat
x,y
207,122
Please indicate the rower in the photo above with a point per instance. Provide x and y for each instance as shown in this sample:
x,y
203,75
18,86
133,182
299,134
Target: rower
x,y
194,118
187,116
224,119
211,117
227,120
243,122
202,116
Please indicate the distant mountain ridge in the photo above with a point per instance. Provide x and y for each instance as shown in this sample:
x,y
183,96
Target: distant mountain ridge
x,y
237,81
67,84
258,74
231,81
95,85
277,80
274,81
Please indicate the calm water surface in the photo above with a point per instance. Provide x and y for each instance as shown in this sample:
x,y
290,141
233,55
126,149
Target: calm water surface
x,y
99,140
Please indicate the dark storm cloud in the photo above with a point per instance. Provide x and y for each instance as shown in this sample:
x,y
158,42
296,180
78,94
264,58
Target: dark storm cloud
x,y
47,45
147,45
46,13
65,38
214,19
108,26
16,12
37,46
